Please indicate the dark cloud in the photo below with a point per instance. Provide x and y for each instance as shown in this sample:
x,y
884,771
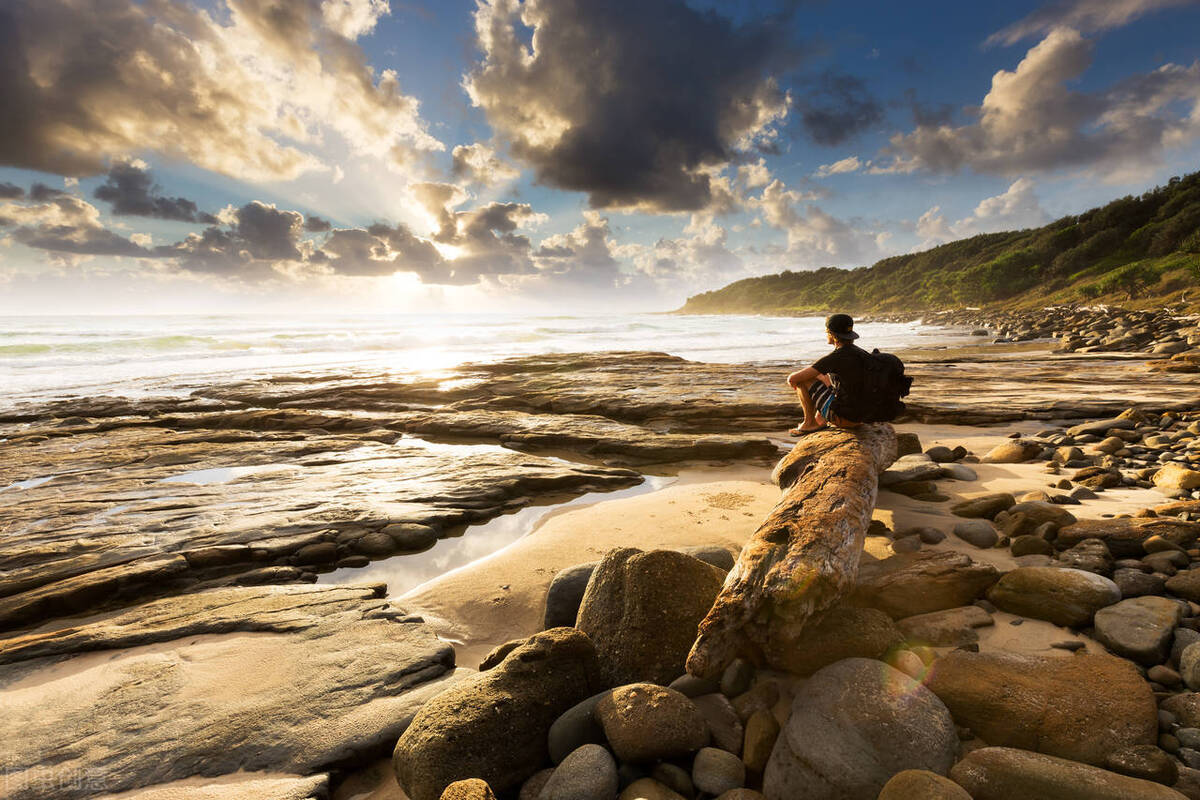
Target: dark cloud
x,y
40,193
925,114
10,191
837,108
247,245
132,192
315,224
632,101
382,250
61,223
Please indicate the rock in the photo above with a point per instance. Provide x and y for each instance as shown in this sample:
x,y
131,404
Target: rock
x,y
986,506
589,773
1144,761
940,454
410,537
469,789
1189,666
1005,773
1068,597
762,729
565,594
761,697
533,785
1096,478
1176,476
1183,638
675,778
1101,427
1043,702
959,472
717,556
499,653
1164,675
644,722
1030,545
907,444
1125,536
1185,584
1186,707
642,611
737,677
717,771
950,628
724,725
1110,445
921,784
691,686
909,473
1041,512
1188,783
1090,555
854,725
1135,583
843,631
648,789
908,662
977,532
1139,628
575,728
515,702
1013,452
286,680
917,583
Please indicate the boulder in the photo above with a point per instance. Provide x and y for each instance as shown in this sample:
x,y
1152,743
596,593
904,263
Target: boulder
x,y
921,784
953,627
645,722
468,789
977,532
1125,536
1068,597
1139,628
1144,761
917,583
1186,708
1176,476
648,789
959,472
1096,478
1185,584
724,725
642,610
454,736
1031,545
841,632
1041,512
1189,666
1005,773
854,725
1043,702
762,729
588,773
716,771
1014,451
575,728
986,506
1090,555
1101,427
1135,583
565,594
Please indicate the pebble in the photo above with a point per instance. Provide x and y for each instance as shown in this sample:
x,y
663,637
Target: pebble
x,y
589,773
716,771
737,678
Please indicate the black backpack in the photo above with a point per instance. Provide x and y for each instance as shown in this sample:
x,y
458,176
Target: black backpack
x,y
877,399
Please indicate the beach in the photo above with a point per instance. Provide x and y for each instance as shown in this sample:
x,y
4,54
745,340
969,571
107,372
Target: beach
x,y
296,562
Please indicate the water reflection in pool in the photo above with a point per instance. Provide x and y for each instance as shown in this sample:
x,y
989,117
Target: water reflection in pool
x,y
404,573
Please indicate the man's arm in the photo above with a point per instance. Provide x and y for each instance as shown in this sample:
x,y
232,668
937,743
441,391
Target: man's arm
x,y
803,377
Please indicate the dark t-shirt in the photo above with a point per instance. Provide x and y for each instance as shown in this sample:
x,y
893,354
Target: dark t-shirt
x,y
846,362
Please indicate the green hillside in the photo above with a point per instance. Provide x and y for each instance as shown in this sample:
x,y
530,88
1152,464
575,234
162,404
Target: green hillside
x,y
1136,251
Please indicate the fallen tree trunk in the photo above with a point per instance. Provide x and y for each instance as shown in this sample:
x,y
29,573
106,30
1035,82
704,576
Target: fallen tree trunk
x,y
804,557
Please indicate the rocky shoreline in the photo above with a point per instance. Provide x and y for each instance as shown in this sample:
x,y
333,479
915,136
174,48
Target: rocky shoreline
x,y
155,548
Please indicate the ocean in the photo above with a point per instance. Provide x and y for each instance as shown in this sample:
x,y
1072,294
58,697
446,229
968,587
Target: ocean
x,y
51,357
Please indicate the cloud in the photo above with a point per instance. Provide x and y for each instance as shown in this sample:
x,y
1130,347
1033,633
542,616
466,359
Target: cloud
x,y
1017,208
816,238
1031,120
248,243
755,175
64,224
850,164
608,103
382,250
315,224
10,191
249,94
1088,16
478,163
132,192
838,108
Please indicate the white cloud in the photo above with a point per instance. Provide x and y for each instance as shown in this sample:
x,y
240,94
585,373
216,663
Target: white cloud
x,y
1015,209
816,238
1032,121
850,164
1084,15
479,163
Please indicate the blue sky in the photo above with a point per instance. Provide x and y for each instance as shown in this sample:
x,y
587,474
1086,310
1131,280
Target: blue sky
x,y
336,154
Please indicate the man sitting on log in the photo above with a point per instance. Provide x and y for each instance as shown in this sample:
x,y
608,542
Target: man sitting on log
x,y
818,385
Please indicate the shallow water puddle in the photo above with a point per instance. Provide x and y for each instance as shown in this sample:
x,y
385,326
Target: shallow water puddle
x,y
222,474
403,573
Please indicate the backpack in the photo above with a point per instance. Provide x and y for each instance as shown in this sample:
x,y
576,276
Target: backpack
x,y
877,399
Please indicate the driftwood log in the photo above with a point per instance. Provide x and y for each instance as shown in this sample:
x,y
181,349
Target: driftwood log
x,y
804,557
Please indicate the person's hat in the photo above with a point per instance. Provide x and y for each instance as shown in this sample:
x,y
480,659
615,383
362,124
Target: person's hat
x,y
841,326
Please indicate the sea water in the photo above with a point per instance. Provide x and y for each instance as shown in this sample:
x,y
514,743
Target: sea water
x,y
52,357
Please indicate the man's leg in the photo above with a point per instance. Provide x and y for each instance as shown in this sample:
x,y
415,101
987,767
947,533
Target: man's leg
x,y
812,418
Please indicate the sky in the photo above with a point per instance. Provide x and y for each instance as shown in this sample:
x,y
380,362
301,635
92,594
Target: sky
x,y
160,156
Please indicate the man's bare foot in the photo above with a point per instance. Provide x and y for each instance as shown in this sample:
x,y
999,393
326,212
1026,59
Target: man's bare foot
x,y
801,430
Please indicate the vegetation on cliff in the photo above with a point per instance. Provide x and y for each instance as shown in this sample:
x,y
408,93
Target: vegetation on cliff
x,y
1142,249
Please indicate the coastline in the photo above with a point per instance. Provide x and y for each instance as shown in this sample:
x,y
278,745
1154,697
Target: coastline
x,y
344,473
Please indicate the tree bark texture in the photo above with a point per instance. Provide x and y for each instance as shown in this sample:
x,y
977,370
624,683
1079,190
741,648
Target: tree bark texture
x,y
804,557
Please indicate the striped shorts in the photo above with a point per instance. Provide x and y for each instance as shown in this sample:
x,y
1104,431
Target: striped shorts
x,y
822,396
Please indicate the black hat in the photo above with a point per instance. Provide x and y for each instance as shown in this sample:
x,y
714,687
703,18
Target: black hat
x,y
841,326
